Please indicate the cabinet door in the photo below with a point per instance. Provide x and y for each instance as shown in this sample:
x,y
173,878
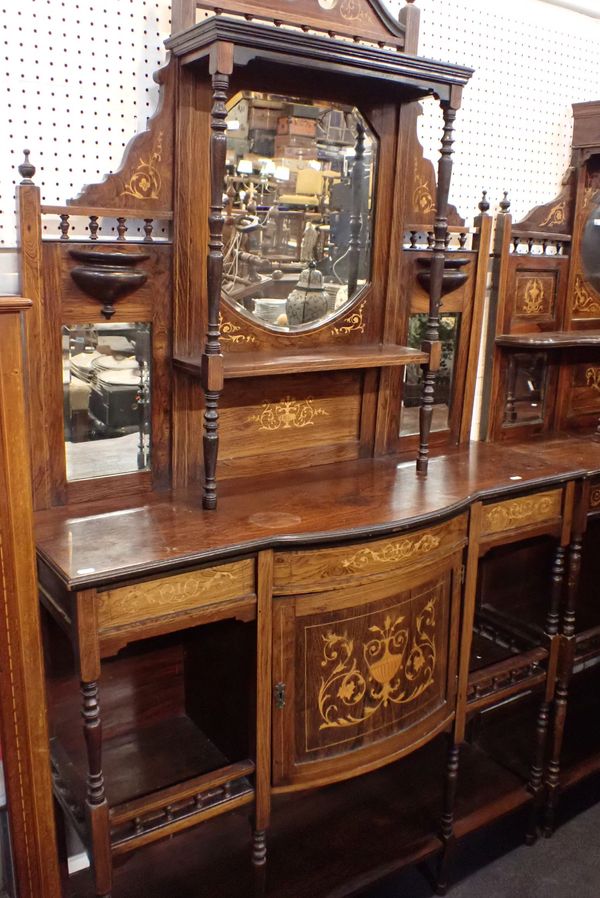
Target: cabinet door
x,y
364,674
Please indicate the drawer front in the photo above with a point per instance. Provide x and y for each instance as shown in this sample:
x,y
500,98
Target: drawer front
x,y
171,595
320,569
517,514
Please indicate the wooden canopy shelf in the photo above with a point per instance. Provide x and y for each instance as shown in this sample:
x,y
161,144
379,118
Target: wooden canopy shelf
x,y
265,364
550,340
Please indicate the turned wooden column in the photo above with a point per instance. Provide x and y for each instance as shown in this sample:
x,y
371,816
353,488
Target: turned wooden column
x,y
566,657
96,805
551,628
23,727
431,344
447,821
221,67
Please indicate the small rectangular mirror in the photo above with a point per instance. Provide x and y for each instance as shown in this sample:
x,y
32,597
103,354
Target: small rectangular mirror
x,y
106,398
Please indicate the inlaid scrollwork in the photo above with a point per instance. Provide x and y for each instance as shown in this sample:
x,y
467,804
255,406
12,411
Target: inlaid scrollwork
x,y
230,333
288,413
520,512
389,667
556,216
422,199
392,552
353,323
595,497
583,299
592,378
145,182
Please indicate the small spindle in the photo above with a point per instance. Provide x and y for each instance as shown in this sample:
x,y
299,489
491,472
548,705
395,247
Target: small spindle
x,y
516,241
430,239
462,239
121,229
148,228
530,245
64,226
94,227
413,239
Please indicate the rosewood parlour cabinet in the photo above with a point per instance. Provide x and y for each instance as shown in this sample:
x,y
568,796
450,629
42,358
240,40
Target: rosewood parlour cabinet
x,y
267,631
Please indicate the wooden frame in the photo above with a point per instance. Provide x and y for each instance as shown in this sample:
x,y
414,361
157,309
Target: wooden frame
x,y
23,727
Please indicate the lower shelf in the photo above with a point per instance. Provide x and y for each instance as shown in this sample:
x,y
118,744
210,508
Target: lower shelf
x,y
332,842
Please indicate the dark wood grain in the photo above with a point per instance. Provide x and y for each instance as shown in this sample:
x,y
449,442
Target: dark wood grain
x,y
23,725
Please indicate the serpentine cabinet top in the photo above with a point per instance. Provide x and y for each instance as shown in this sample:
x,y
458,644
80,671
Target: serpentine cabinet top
x,y
159,532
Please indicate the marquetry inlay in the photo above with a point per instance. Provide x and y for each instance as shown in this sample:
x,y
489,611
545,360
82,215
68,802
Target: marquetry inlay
x,y
145,182
422,201
534,295
556,215
592,378
595,497
395,664
391,553
288,413
353,322
521,512
171,595
583,299
231,333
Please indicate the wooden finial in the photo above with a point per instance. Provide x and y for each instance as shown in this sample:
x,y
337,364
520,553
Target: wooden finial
x,y
26,169
484,203
505,202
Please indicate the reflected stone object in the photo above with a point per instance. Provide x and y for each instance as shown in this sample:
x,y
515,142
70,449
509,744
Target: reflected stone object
x,y
309,301
300,180
108,276
590,247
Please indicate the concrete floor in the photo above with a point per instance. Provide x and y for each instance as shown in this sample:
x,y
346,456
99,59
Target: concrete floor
x,y
495,863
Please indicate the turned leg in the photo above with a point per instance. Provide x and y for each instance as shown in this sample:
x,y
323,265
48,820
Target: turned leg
x,y
96,804
536,774
562,685
447,821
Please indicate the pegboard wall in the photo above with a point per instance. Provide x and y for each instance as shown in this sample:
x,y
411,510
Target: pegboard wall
x,y
77,84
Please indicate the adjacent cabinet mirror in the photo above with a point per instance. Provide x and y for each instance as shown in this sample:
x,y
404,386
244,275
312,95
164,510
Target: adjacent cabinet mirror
x,y
106,396
299,189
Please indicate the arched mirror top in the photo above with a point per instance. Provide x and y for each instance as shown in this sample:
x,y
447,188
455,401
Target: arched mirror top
x,y
590,244
299,195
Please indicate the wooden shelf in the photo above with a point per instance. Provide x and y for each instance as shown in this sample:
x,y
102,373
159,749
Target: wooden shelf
x,y
151,787
265,364
337,840
550,340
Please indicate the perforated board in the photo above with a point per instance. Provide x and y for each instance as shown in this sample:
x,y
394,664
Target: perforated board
x,y
77,84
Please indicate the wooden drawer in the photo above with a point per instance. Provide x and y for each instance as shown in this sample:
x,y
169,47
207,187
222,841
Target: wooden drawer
x,y
320,569
521,513
154,599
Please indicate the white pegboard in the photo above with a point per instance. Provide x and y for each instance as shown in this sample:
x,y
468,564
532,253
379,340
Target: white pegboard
x,y
77,84
532,60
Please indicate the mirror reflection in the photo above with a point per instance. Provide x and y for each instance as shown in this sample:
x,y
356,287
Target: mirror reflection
x,y
526,387
413,375
298,208
590,247
106,395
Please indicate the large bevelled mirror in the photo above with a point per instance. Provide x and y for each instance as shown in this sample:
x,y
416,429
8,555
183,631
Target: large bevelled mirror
x,y
590,245
299,188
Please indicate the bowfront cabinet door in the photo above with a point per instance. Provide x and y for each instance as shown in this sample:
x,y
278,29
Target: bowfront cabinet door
x,y
363,674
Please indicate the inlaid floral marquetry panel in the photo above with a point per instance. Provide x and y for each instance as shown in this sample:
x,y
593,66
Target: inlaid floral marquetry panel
x,y
595,496
535,294
370,670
